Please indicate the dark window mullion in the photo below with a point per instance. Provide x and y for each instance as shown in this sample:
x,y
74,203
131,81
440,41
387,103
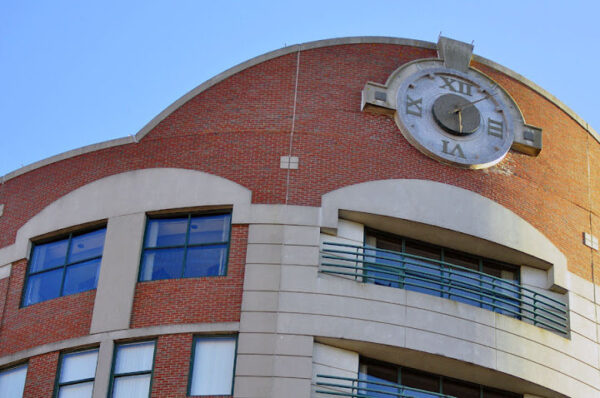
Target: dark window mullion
x,y
137,373
207,244
83,261
70,383
46,270
62,281
165,247
185,245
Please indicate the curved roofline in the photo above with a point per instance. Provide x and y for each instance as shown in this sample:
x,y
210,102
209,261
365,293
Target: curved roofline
x,y
274,54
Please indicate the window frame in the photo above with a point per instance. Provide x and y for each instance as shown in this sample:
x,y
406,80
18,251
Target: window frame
x,y
441,378
501,265
113,376
16,366
193,354
58,384
185,215
57,238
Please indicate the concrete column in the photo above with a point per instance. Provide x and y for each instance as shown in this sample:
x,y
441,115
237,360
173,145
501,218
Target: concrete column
x,y
271,363
118,273
105,354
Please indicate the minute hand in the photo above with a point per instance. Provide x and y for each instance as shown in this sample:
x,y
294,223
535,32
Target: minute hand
x,y
460,108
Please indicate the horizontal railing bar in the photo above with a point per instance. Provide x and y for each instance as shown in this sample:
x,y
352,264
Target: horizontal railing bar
x,y
427,260
491,304
430,260
499,287
495,294
356,385
450,280
359,395
506,285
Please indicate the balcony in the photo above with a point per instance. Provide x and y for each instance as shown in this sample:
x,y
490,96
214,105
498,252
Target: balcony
x,y
406,271
362,388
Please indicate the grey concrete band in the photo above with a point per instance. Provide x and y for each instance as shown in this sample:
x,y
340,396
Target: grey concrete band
x,y
93,339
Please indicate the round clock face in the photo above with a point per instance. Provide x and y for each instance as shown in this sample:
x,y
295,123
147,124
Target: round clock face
x,y
455,117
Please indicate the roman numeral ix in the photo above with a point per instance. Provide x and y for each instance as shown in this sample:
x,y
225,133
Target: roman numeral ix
x,y
414,107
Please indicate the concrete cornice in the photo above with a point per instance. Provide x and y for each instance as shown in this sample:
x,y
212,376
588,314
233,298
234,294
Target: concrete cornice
x,y
278,53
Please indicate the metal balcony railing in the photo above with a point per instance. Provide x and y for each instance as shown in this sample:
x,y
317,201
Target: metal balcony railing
x,y
401,270
358,388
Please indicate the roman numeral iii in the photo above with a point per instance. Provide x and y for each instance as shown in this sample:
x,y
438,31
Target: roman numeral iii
x,y
495,128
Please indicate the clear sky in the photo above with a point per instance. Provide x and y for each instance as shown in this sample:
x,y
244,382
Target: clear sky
x,y
74,73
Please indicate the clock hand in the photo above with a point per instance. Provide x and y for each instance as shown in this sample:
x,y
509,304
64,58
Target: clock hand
x,y
460,108
460,121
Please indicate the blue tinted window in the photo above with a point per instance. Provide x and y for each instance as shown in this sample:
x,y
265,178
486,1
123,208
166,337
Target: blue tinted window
x,y
49,255
43,286
67,266
81,277
385,380
86,246
162,264
206,261
186,247
166,232
400,262
209,229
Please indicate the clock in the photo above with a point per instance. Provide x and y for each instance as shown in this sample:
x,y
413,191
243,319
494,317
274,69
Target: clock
x,y
455,117
452,112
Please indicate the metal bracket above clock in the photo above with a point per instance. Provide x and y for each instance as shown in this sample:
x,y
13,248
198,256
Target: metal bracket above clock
x,y
461,96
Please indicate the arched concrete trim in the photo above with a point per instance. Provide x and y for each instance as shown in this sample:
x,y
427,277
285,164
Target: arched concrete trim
x,y
278,53
451,208
127,193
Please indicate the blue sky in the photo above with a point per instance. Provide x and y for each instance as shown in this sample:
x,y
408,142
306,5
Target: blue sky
x,y
74,73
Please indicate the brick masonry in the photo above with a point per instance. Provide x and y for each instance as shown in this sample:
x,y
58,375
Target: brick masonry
x,y
41,373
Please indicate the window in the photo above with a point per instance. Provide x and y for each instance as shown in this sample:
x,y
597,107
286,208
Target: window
x,y
381,379
186,247
443,272
12,381
76,374
132,370
213,360
62,267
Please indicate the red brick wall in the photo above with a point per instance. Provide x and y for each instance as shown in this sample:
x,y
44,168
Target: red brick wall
x,y
46,322
194,300
172,366
3,298
41,373
238,128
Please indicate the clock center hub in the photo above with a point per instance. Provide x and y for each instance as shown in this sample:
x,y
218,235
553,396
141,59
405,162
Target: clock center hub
x,y
456,115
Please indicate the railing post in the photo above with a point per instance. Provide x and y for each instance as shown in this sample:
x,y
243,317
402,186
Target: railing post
x,y
534,309
494,295
357,261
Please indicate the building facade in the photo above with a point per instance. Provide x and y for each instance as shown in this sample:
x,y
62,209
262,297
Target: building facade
x,y
361,217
